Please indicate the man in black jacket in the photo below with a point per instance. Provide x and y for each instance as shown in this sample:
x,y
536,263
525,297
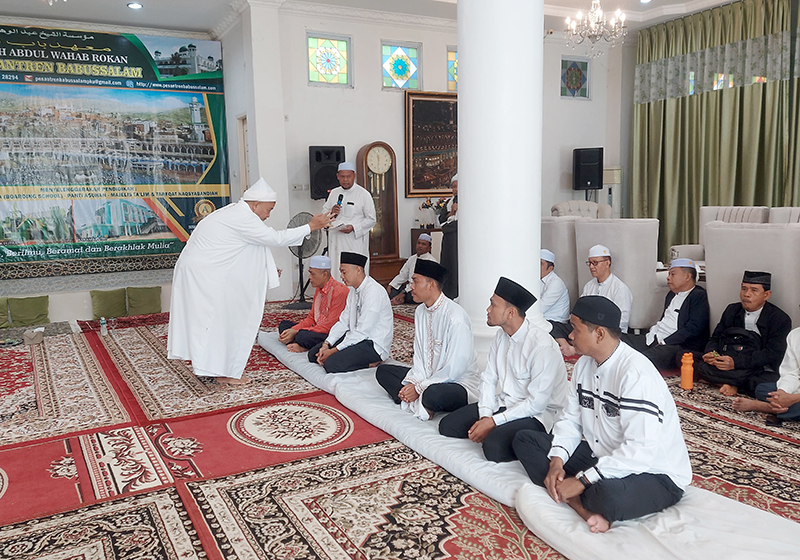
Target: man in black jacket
x,y
749,342
684,327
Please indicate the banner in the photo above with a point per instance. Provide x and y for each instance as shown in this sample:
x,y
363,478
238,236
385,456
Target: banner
x,y
111,145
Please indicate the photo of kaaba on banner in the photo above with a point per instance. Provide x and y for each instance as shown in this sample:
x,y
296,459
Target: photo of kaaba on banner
x,y
111,145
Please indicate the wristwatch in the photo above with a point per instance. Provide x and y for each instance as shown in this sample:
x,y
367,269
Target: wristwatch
x,y
581,476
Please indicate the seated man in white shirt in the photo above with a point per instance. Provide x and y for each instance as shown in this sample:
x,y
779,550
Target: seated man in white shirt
x,y
684,325
617,452
444,372
554,297
603,283
400,287
780,401
363,335
524,385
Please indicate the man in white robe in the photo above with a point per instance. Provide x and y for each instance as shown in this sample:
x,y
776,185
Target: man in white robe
x,y
363,335
354,209
524,384
603,283
400,287
220,284
554,296
443,376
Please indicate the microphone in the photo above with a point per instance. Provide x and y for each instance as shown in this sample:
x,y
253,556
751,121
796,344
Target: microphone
x,y
341,198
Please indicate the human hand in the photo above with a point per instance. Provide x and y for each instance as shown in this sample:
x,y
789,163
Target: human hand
x,y
454,209
324,353
408,393
555,476
321,221
347,229
724,363
780,400
569,488
287,336
481,429
398,299
336,209
709,357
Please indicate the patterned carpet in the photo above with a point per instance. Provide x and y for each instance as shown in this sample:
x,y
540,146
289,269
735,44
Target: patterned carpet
x,y
376,501
165,465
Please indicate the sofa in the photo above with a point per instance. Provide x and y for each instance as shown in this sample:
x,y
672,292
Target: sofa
x,y
727,214
581,209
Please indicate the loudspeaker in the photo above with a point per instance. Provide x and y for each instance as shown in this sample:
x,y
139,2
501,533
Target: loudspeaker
x,y
323,163
587,168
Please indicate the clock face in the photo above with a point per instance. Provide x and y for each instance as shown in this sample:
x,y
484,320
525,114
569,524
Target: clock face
x,y
379,160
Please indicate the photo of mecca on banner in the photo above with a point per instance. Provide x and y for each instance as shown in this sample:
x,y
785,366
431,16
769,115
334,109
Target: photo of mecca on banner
x,y
111,145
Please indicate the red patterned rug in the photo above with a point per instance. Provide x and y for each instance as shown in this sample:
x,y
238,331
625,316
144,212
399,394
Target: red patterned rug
x,y
147,526
54,388
375,501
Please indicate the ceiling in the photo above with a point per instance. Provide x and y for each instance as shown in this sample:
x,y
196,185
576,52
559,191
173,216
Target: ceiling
x,y
204,16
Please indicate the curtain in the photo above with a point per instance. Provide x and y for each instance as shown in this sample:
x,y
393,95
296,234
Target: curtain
x,y
712,116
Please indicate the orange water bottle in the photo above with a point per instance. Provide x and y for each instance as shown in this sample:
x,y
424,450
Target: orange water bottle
x,y
687,371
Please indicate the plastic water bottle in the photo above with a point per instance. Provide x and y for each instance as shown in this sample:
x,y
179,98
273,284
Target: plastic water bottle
x,y
103,326
687,371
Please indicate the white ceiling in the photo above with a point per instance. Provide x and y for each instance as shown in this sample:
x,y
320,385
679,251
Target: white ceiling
x,y
203,16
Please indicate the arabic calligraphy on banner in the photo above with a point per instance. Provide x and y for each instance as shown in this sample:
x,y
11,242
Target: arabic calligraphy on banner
x,y
110,144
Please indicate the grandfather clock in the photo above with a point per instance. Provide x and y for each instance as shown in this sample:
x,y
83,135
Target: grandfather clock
x,y
376,167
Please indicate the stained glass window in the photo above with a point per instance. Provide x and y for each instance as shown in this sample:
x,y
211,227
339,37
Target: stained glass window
x,y
401,65
328,60
452,69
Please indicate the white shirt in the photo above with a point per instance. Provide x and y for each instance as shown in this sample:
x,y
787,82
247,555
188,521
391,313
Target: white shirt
x,y
450,219
405,274
219,287
358,210
668,325
790,366
614,289
750,320
443,351
554,299
625,412
367,315
525,373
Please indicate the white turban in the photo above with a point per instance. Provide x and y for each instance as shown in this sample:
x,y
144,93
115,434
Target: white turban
x,y
260,192
319,261
548,256
346,166
599,251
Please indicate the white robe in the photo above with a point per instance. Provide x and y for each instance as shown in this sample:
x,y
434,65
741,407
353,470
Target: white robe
x,y
405,274
614,289
358,210
443,352
219,288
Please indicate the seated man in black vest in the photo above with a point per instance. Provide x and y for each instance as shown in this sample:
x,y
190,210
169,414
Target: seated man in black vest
x,y
683,326
749,342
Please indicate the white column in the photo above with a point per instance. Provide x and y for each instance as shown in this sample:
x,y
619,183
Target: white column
x,y
500,71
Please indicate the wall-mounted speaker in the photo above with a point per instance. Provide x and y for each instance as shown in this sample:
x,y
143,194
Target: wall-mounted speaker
x,y
587,168
323,163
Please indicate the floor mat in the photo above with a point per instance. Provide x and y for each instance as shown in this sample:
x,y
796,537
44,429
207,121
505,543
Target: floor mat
x,y
54,388
376,501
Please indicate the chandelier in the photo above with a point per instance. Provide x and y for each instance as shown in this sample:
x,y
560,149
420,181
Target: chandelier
x,y
594,27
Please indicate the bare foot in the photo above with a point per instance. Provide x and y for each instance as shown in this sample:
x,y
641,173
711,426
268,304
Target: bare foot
x,y
598,523
244,380
375,364
729,390
294,347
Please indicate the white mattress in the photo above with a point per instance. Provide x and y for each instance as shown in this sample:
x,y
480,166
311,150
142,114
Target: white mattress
x,y
298,362
702,525
361,393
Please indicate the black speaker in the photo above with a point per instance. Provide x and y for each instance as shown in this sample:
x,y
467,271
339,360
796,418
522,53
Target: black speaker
x,y
323,163
587,168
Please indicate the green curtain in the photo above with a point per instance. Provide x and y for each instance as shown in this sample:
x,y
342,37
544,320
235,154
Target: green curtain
x,y
725,147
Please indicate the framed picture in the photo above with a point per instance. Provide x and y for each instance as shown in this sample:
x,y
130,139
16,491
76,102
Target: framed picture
x,y
575,77
431,143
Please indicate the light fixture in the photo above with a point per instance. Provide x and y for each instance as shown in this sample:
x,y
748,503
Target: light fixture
x,y
135,6
594,27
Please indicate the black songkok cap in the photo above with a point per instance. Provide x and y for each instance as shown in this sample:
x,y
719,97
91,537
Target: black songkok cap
x,y
755,277
597,310
353,258
514,294
430,269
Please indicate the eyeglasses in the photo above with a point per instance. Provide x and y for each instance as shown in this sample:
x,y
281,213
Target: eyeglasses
x,y
595,263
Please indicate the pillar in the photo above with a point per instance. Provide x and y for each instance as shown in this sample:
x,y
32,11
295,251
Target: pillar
x,y
500,59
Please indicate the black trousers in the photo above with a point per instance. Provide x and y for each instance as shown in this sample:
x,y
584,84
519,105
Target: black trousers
x,y
663,356
358,356
439,397
406,299
497,446
304,338
746,380
616,499
560,330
